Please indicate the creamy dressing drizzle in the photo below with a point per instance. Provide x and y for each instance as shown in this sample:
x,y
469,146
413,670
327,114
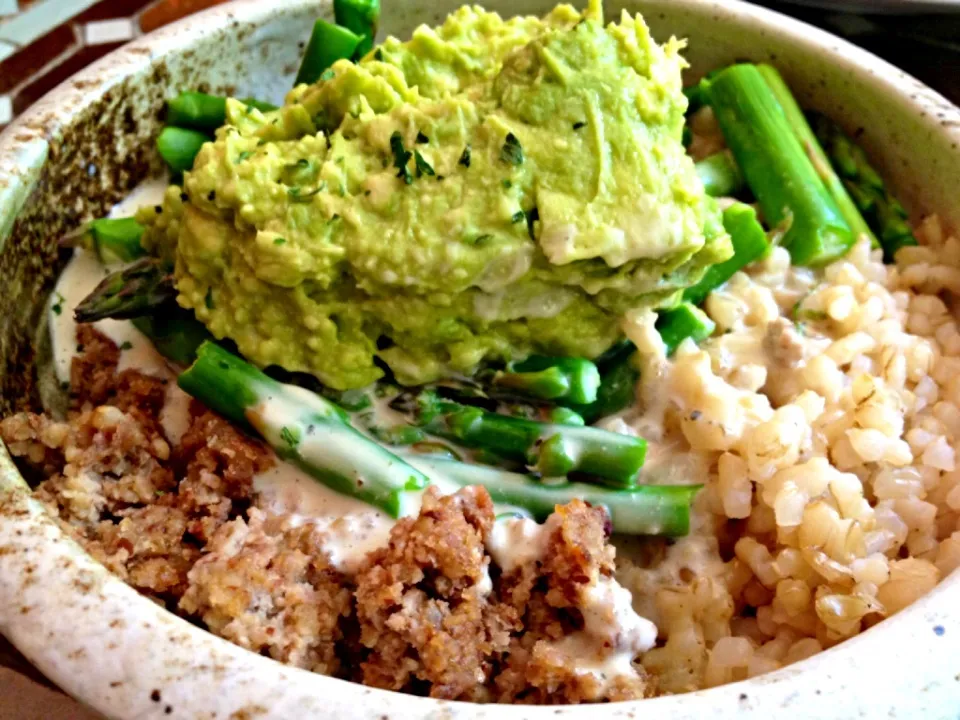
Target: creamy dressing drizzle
x,y
79,278
352,528
613,633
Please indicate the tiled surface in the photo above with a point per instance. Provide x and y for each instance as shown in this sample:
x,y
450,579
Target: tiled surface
x,y
43,42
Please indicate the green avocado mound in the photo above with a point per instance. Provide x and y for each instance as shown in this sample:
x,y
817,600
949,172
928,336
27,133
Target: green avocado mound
x,y
490,189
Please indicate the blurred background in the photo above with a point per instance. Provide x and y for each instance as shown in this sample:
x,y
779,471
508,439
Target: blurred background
x,y
43,42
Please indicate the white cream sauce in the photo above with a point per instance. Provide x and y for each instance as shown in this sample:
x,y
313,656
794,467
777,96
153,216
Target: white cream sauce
x,y
352,528
78,279
613,633
175,416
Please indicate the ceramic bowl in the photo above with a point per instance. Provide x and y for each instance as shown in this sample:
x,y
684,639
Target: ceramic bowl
x,y
89,142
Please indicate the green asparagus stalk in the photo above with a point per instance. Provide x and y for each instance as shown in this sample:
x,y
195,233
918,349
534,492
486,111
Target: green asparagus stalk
x,y
804,133
565,416
136,290
776,166
362,18
175,332
552,450
749,243
618,384
552,378
305,429
200,111
328,43
883,212
720,175
179,147
640,510
112,240
684,321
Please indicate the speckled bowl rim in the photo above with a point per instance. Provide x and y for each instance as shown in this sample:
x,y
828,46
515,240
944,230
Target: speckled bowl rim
x,y
128,658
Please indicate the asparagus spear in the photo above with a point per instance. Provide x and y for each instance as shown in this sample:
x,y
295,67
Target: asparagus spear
x,y
136,290
618,384
886,216
776,166
113,240
304,428
565,416
720,175
682,322
328,43
804,133
552,378
200,111
552,450
749,243
175,332
179,147
361,17
640,510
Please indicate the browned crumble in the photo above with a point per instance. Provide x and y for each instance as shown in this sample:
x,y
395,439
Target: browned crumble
x,y
268,587
427,614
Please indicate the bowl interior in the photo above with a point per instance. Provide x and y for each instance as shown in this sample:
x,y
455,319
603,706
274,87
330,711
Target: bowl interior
x,y
85,146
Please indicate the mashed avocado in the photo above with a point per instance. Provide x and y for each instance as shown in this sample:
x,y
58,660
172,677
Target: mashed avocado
x,y
489,189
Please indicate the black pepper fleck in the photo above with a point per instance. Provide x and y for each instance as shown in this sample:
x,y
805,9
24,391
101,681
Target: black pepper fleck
x,y
212,195
155,696
695,415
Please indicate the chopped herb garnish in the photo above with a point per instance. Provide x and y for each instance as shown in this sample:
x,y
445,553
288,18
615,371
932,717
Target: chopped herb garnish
x,y
212,195
126,345
465,157
290,437
512,152
518,216
401,156
208,300
261,142
303,163
422,139
578,125
482,238
811,315
334,218
378,55
532,216
507,184
327,74
298,194
245,155
423,167
57,306
279,241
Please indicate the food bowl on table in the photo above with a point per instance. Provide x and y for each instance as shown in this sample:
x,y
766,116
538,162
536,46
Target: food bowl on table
x,y
91,142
